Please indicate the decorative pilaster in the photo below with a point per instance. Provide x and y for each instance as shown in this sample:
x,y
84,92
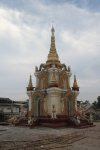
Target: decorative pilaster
x,y
37,80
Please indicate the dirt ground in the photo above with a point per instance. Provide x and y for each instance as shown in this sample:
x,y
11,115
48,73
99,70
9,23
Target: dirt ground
x,y
18,138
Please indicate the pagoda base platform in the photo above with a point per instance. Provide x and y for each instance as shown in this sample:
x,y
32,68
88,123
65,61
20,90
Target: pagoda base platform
x,y
81,125
54,125
61,121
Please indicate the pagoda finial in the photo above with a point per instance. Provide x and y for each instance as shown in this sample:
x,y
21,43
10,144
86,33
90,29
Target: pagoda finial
x,y
30,85
75,82
30,82
52,30
52,56
75,86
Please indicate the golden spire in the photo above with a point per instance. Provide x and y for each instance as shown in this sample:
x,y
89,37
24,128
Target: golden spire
x,y
30,82
30,85
75,82
52,54
54,82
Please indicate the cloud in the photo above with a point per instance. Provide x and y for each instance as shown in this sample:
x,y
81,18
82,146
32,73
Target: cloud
x,y
25,37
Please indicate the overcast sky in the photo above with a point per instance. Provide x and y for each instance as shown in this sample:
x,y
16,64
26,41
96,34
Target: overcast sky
x,y
25,37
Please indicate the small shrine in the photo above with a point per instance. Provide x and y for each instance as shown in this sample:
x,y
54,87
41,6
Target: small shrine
x,y
53,102
53,94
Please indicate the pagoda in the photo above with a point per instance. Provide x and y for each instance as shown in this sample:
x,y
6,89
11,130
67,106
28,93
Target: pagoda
x,y
53,94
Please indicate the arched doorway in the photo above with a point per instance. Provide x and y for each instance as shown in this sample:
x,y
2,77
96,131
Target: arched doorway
x,y
70,105
37,106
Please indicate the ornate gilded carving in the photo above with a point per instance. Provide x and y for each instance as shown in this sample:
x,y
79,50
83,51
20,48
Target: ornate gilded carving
x,y
62,108
29,113
23,111
63,76
36,68
65,96
41,95
45,112
43,76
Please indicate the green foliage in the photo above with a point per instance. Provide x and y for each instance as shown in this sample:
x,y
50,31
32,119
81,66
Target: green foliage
x,y
87,101
96,117
97,104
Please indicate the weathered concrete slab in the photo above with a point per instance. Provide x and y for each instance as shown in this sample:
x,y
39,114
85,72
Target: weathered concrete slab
x,y
22,135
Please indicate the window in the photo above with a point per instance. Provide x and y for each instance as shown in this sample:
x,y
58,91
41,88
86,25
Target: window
x,y
8,108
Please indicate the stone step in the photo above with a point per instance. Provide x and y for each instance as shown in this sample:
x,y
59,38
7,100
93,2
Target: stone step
x,y
24,124
84,124
87,126
54,125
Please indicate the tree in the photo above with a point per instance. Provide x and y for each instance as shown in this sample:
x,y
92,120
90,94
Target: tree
x,y
87,102
97,104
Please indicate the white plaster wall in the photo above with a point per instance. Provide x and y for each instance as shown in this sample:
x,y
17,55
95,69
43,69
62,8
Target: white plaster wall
x,y
29,104
37,79
59,103
30,93
15,109
5,109
54,98
49,103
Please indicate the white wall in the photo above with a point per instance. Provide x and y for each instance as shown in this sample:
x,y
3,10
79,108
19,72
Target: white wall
x,y
7,109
